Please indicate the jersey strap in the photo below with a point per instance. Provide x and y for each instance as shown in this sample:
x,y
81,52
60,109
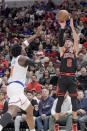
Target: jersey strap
x,y
16,82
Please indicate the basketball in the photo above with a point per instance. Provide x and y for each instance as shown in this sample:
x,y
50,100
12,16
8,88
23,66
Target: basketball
x,y
63,15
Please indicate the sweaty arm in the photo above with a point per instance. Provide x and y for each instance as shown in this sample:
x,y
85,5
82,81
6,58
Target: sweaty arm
x,y
31,38
25,61
75,36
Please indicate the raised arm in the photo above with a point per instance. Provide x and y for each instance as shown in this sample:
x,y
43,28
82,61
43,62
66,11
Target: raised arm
x,y
31,38
25,61
61,35
75,36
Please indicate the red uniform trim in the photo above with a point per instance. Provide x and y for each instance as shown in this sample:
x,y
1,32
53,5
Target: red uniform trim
x,y
61,94
24,102
15,102
67,74
72,95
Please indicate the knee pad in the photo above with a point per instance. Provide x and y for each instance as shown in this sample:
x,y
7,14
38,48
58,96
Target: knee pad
x,y
59,103
74,104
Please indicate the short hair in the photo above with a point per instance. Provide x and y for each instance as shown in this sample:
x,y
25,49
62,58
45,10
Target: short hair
x,y
83,69
45,90
80,91
70,39
16,50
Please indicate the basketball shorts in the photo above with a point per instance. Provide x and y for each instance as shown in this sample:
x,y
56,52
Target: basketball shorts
x,y
67,83
15,92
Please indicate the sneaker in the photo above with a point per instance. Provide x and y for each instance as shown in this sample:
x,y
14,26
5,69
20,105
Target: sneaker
x,y
74,127
56,127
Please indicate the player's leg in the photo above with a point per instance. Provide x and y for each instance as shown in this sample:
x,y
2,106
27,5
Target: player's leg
x,y
17,122
29,110
74,113
61,90
73,94
7,117
30,119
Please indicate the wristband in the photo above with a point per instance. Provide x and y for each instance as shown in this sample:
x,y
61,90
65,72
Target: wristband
x,y
26,42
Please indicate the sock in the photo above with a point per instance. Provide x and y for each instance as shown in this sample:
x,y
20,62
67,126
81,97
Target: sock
x,y
1,127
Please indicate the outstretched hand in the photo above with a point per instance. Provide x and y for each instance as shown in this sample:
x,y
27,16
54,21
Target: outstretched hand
x,y
71,24
39,30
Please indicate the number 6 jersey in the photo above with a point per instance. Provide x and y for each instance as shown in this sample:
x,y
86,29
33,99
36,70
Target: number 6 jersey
x,y
68,62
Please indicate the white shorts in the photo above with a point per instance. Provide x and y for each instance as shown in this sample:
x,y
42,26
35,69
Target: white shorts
x,y
15,92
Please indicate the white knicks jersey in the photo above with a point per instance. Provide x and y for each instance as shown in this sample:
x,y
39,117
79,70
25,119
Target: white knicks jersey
x,y
18,73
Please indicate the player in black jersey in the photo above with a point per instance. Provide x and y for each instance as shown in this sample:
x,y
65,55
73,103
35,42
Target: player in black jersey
x,y
67,82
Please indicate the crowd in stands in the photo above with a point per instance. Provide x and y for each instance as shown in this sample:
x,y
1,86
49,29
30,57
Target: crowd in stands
x,y
17,24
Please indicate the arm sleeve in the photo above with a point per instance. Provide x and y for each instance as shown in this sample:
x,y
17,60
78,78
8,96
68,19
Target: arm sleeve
x,y
61,42
31,62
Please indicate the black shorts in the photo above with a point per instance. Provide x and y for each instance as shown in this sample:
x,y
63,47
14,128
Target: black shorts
x,y
67,83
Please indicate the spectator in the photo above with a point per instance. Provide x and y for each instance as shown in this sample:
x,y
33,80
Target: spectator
x,y
39,73
53,52
5,80
32,68
50,5
3,63
52,91
25,32
83,79
78,72
45,78
81,61
35,44
81,110
50,16
34,84
54,78
3,104
45,106
84,51
51,68
65,116
40,54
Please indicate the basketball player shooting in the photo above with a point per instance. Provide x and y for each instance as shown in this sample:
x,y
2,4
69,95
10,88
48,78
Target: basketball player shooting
x,y
67,82
15,88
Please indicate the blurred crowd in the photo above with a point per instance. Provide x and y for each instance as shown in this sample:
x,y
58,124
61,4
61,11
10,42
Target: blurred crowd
x,y
17,24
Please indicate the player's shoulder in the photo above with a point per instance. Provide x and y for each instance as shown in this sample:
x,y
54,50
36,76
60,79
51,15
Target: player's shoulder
x,y
22,60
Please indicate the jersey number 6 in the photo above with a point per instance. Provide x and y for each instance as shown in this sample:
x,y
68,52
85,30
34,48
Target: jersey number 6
x,y
69,62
